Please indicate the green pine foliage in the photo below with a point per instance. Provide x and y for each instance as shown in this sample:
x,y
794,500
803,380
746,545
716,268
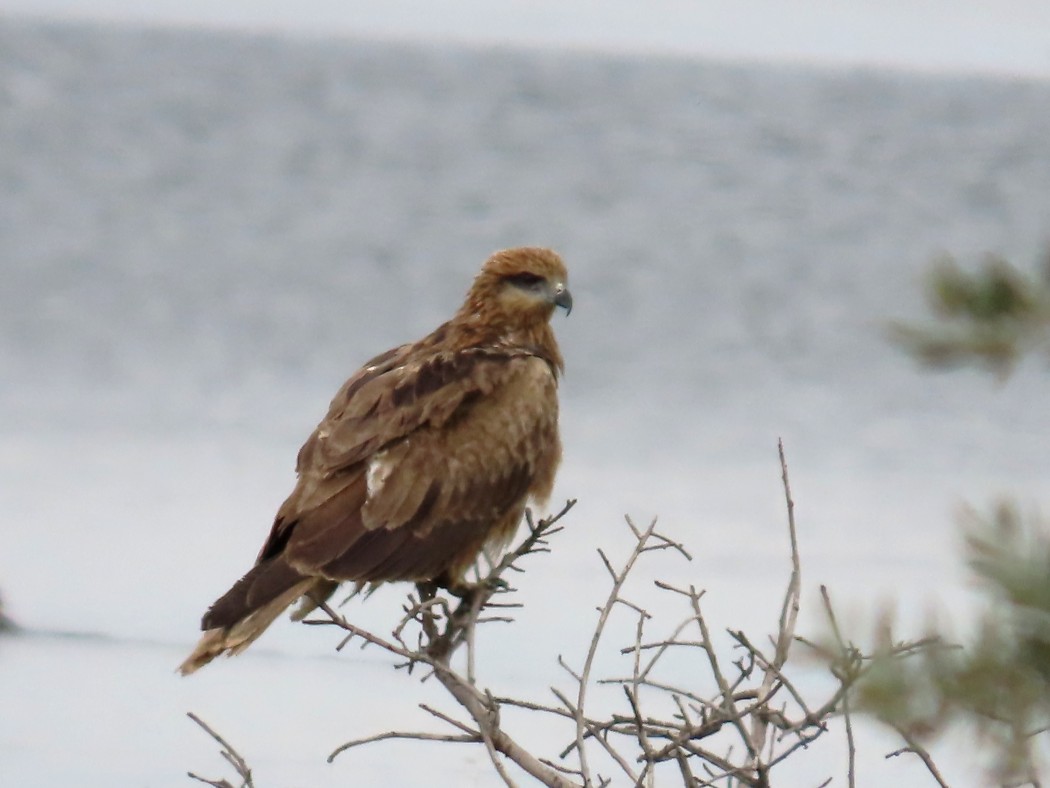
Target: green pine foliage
x,y
998,683
992,316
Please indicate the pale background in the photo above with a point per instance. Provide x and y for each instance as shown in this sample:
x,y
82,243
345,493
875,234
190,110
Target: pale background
x,y
201,235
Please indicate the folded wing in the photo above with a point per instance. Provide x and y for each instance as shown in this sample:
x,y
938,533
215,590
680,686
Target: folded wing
x,y
420,462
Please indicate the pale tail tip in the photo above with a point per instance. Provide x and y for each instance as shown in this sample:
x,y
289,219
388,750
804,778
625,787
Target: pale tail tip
x,y
211,645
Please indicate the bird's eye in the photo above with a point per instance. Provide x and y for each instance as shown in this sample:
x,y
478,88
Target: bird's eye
x,y
524,279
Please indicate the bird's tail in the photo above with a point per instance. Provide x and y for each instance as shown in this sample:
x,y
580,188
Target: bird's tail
x,y
234,639
244,612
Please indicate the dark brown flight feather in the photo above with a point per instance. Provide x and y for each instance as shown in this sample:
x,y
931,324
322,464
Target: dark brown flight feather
x,y
427,456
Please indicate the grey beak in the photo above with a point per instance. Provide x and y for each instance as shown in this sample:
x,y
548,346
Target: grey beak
x,y
563,298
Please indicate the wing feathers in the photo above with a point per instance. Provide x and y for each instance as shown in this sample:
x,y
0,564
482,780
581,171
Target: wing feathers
x,y
264,583
467,460
369,552
455,462
385,406
329,528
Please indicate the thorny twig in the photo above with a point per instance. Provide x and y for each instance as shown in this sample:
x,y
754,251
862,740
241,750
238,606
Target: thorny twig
x,y
752,720
917,749
583,679
788,612
229,753
743,702
851,657
442,630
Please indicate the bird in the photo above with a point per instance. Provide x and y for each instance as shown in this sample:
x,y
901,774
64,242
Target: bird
x,y
428,456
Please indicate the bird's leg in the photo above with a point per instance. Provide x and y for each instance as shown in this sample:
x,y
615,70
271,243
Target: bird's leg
x,y
458,587
467,591
427,590
472,597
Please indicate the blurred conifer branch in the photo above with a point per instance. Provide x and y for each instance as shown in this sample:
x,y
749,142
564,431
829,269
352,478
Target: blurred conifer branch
x,y
999,682
992,316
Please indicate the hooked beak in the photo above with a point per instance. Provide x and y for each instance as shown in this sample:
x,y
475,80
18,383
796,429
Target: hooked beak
x,y
563,298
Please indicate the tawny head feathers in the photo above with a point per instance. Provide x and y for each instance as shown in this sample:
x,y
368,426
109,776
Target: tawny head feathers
x,y
518,288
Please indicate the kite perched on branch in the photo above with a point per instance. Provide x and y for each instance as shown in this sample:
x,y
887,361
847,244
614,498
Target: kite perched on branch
x,y
427,456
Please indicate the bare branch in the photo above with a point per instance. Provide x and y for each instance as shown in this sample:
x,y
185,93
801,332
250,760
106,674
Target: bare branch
x,y
727,703
419,736
917,749
848,654
229,753
442,630
788,612
450,720
583,679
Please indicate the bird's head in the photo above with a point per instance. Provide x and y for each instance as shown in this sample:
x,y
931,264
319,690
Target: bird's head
x,y
512,300
520,286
